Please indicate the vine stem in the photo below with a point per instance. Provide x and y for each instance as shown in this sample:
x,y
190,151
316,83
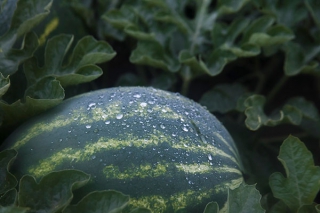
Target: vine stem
x,y
186,72
199,20
276,88
186,75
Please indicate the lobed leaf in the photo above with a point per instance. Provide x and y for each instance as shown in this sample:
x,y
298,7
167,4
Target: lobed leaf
x,y
314,9
6,12
152,53
223,97
7,180
81,66
10,59
45,84
307,108
296,60
308,209
26,15
41,96
54,191
245,198
301,184
100,201
283,12
256,117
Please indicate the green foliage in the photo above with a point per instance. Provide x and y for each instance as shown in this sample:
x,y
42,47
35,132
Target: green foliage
x,y
45,85
255,64
7,181
301,185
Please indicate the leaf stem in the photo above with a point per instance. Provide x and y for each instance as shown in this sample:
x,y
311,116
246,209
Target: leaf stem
x,y
186,76
186,71
199,21
276,88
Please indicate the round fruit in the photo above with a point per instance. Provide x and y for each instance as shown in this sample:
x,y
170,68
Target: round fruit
x,y
165,151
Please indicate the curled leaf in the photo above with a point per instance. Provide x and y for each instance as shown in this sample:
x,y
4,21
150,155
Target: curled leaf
x,y
54,191
7,180
100,201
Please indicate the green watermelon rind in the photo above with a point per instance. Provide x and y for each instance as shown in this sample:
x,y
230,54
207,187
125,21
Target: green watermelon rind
x,y
166,151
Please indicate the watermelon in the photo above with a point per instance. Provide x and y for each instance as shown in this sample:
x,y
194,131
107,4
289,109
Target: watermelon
x,y
166,151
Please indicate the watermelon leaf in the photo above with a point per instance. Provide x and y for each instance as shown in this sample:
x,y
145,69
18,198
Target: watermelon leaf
x,y
292,112
314,9
297,61
312,208
54,191
211,207
245,198
81,66
283,12
230,6
279,207
172,41
9,198
41,96
100,201
27,14
45,84
7,180
153,54
13,209
301,184
223,97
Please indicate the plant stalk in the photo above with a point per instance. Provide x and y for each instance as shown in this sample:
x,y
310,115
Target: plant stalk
x,y
276,88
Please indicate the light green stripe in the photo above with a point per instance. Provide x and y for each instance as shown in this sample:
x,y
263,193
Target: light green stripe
x,y
77,116
82,116
232,149
156,170
208,148
107,144
140,171
182,199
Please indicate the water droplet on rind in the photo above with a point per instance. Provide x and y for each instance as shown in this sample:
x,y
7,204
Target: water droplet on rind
x,y
119,116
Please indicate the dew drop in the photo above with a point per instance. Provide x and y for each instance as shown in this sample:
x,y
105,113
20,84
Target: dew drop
x,y
107,122
185,129
91,106
143,104
137,95
88,126
93,157
209,156
162,126
119,116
